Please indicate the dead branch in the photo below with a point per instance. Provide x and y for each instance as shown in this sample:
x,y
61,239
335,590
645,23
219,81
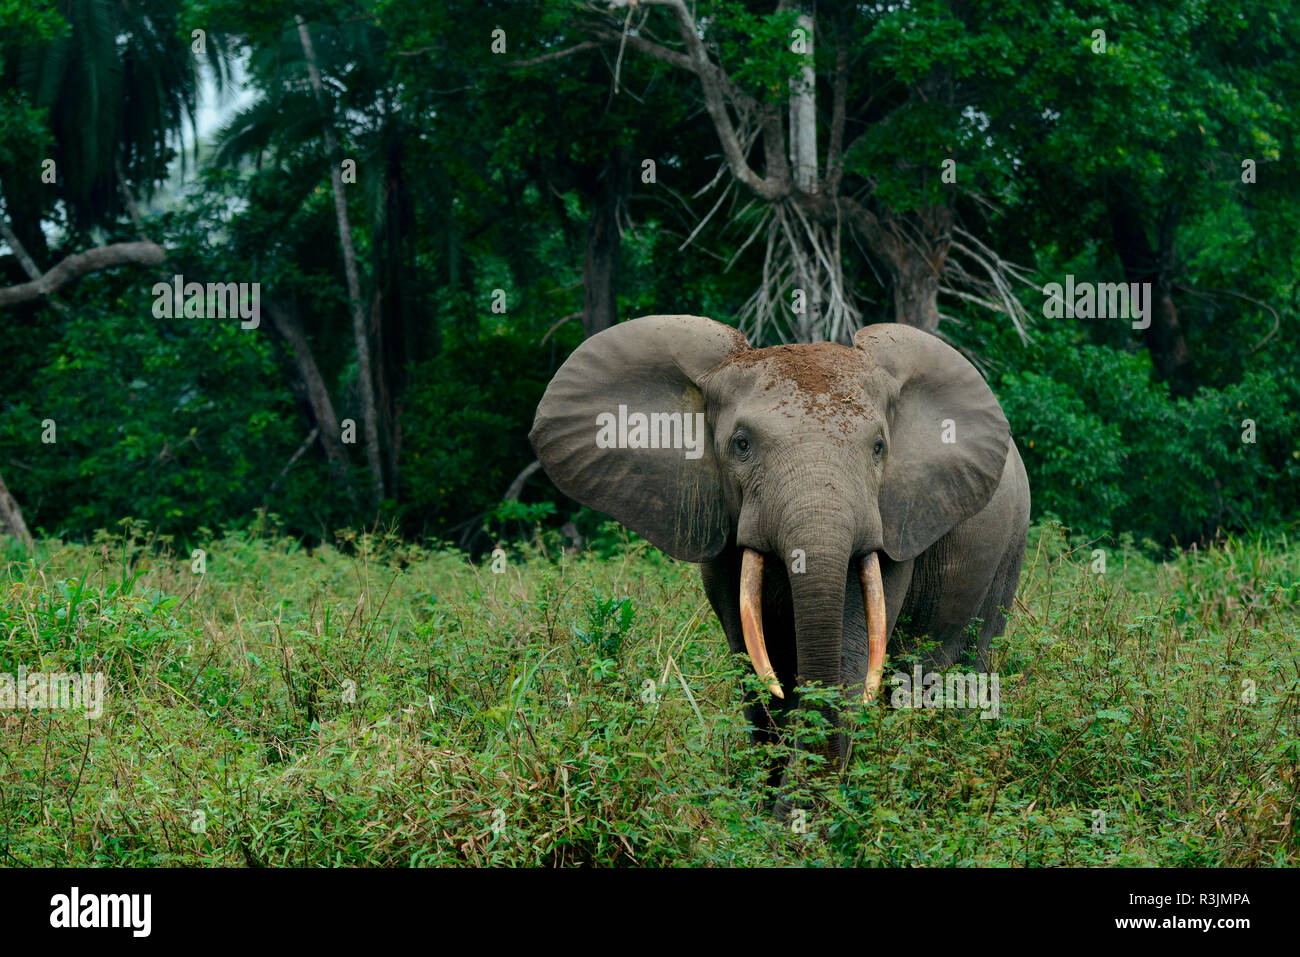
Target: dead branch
x,y
554,55
718,91
302,450
517,486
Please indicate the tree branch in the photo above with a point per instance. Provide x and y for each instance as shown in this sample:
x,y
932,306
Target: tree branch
x,y
716,105
302,450
554,55
78,264
840,88
648,47
517,486
20,251
717,86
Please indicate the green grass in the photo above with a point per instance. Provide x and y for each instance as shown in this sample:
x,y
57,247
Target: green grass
x,y
377,704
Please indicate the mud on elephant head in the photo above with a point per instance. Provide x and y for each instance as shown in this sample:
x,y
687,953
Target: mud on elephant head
x,y
824,488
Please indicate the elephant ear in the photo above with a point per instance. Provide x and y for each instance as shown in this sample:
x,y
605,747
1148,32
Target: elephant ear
x,y
948,438
671,496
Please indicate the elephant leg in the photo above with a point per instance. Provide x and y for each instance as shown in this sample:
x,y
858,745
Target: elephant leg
x,y
1012,501
1001,596
964,581
949,583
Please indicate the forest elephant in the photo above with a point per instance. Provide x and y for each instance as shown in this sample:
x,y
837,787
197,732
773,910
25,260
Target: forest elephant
x,y
826,490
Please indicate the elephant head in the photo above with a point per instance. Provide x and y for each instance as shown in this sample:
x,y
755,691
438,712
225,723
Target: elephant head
x,y
822,453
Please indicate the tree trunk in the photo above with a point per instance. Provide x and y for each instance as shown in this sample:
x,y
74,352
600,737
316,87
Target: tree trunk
x,y
916,254
600,259
286,323
916,291
365,378
387,324
803,116
11,517
808,326
1143,263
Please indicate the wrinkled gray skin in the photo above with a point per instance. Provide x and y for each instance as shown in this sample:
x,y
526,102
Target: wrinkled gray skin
x,y
831,451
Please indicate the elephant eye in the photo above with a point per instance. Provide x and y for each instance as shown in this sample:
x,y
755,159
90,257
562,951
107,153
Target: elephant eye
x,y
741,444
879,448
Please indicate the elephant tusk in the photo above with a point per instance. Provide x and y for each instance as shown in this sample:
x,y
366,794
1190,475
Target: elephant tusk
x,y
873,602
751,618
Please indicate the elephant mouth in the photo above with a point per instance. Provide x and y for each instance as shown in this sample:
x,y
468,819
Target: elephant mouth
x,y
751,620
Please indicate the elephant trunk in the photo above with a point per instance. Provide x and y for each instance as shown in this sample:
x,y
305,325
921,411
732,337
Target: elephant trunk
x,y
751,620
817,595
818,599
827,546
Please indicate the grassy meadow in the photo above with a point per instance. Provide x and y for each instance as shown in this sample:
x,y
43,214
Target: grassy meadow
x,y
371,703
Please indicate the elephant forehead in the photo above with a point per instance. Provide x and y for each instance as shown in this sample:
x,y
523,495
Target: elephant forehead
x,y
822,380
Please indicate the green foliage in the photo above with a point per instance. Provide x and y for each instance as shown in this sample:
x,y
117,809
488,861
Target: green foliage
x,y
177,422
30,20
464,428
757,48
513,510
1074,456
376,704
1107,448
608,621
24,135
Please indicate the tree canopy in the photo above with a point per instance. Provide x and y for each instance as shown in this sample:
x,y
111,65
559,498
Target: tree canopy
x,y
437,202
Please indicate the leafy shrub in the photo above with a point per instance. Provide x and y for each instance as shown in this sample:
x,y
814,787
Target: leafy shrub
x,y
394,706
1109,449
177,422
1075,460
465,429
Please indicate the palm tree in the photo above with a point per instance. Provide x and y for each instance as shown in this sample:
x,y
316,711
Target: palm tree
x,y
327,84
117,90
